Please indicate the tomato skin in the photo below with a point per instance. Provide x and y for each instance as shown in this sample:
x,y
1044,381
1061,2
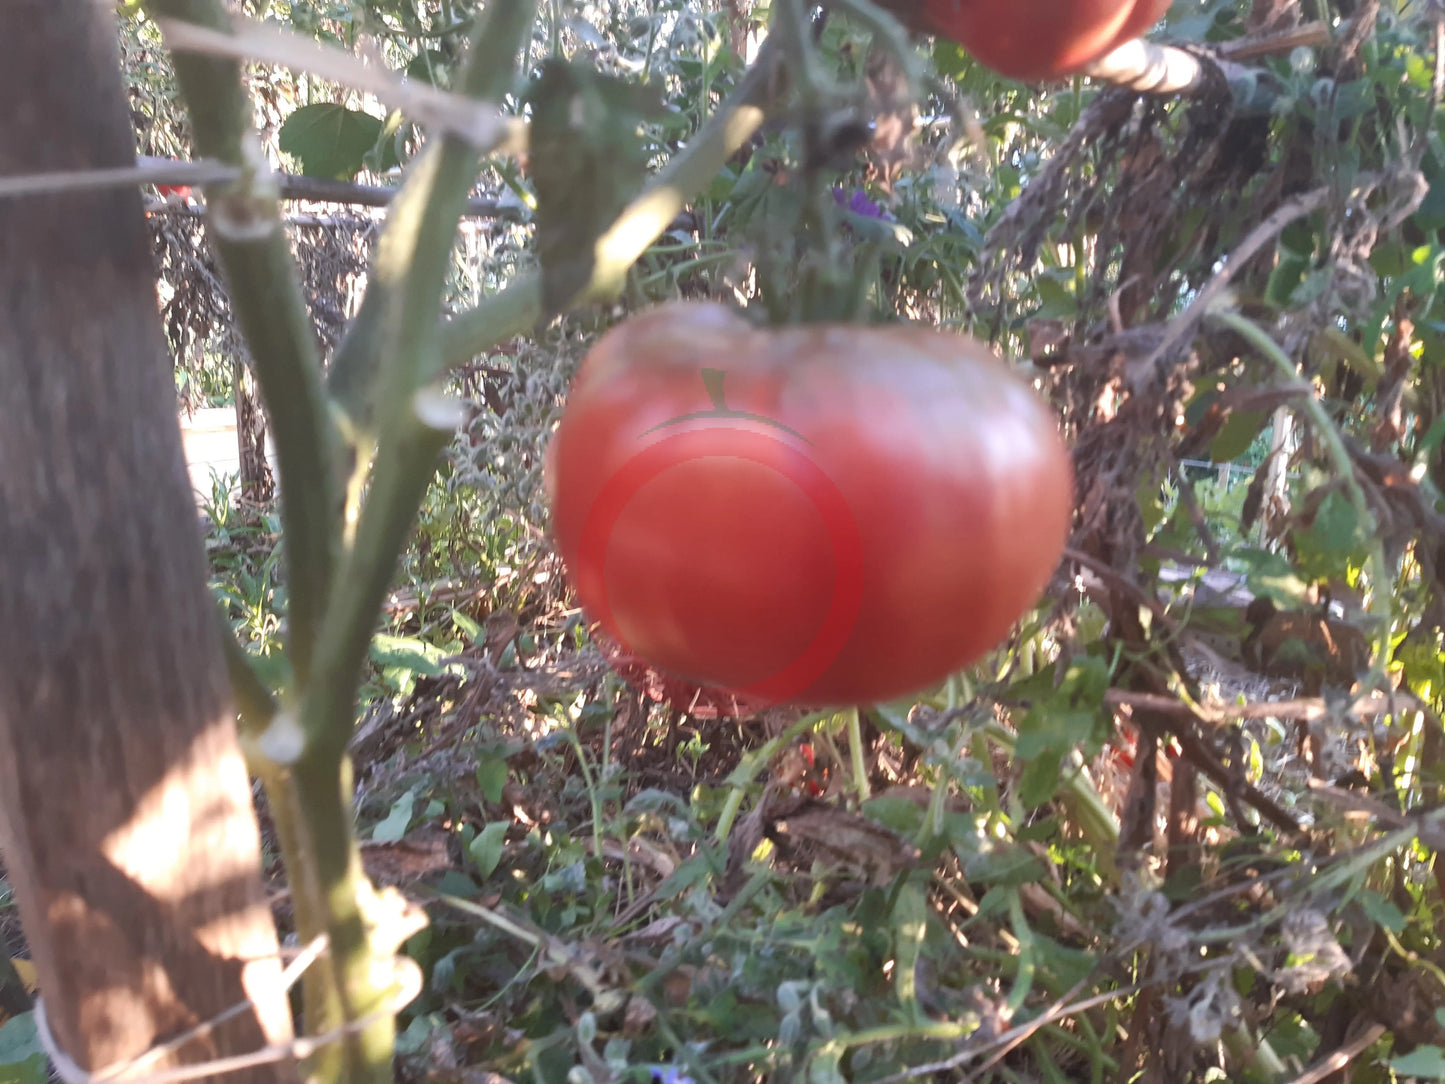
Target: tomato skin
x,y
1041,39
871,509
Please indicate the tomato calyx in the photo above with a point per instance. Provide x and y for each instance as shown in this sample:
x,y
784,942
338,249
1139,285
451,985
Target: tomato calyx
x,y
712,381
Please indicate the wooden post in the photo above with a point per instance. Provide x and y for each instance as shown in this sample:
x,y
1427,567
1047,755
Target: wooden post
x,y
125,807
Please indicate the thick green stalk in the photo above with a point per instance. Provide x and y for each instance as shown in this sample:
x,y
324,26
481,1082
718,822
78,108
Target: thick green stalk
x,y
414,251
386,374
404,295
518,307
245,226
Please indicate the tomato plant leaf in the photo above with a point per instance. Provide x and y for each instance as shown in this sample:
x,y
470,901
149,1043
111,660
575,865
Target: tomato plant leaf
x,y
329,140
1323,546
430,66
1271,574
397,821
492,777
1237,435
584,138
910,923
949,59
1422,1063
486,849
1381,911
1040,778
22,1058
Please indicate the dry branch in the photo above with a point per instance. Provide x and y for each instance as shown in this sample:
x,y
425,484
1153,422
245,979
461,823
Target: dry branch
x,y
324,190
1305,708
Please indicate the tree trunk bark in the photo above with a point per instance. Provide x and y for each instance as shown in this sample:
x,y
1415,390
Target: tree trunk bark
x,y
125,808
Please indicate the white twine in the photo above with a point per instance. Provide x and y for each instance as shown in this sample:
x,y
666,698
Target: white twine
x,y
409,984
479,123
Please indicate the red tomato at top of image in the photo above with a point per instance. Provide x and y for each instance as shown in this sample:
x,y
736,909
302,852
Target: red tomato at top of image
x,y
1041,39
819,514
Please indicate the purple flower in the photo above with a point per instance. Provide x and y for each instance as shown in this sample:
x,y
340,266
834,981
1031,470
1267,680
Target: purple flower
x,y
859,203
669,1075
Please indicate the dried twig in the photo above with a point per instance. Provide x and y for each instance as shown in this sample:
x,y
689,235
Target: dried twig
x,y
1183,325
1341,1057
1304,708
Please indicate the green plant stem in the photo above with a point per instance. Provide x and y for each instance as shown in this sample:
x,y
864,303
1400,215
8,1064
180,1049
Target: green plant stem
x,y
1024,976
255,706
517,308
684,1053
894,1033
337,891
593,794
393,354
391,347
855,755
245,226
1380,578
408,279
1254,1052
1095,821
751,764
793,29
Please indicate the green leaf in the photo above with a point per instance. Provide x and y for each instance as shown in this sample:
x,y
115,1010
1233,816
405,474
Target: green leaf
x,y
1325,545
1270,574
492,777
430,66
468,626
1292,1037
397,821
329,140
1381,911
587,158
1422,1063
1284,279
1431,215
1150,498
22,1058
1057,299
486,849
949,59
1040,779
407,654
1237,434
910,923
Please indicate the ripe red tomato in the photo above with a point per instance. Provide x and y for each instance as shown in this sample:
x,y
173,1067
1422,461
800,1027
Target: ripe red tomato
x,y
166,190
1040,39
820,514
